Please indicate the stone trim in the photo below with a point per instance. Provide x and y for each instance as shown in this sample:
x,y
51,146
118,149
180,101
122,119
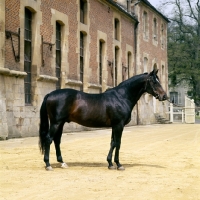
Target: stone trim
x,y
109,87
101,36
8,72
73,82
131,67
95,86
62,19
47,78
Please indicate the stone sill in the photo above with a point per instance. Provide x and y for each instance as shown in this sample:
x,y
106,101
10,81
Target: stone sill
x,y
47,78
73,82
8,72
109,87
95,86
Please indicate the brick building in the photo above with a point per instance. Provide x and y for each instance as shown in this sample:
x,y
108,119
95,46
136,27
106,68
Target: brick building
x,y
88,45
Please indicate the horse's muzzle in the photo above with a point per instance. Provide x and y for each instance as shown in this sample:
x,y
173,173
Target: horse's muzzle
x,y
163,98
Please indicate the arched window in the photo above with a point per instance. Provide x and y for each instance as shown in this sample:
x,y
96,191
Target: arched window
x,y
162,36
145,64
83,11
129,56
116,29
58,55
155,66
116,64
101,55
163,70
155,29
145,24
28,55
81,58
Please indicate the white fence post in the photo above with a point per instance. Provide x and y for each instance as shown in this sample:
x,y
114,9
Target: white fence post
x,y
182,116
171,113
189,110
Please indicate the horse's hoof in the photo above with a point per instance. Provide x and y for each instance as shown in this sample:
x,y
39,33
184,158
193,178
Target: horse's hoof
x,y
111,167
64,165
121,168
49,168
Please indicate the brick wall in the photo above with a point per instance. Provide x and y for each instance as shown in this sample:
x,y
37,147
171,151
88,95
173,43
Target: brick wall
x,y
21,119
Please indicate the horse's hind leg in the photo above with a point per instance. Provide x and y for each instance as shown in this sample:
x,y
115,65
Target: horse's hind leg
x,y
57,141
49,138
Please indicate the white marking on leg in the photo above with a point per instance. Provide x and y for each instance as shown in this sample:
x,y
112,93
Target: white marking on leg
x,y
64,165
49,168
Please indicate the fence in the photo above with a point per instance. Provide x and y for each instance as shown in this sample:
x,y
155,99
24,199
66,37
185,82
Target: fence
x,y
184,114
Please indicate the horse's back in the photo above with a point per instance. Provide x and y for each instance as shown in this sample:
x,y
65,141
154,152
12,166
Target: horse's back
x,y
72,105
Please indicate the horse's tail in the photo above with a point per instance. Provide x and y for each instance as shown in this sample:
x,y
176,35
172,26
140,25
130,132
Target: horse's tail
x,y
44,125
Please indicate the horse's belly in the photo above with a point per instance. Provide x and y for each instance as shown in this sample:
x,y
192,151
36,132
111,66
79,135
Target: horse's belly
x,y
95,121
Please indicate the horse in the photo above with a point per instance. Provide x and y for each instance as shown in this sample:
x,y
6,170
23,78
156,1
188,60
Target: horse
x,y
111,108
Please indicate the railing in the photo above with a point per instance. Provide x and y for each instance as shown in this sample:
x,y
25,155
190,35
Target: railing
x,y
176,113
184,114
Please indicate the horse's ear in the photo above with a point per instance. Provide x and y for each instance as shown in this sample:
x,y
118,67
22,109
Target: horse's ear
x,y
155,71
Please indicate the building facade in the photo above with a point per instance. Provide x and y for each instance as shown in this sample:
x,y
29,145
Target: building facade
x,y
88,45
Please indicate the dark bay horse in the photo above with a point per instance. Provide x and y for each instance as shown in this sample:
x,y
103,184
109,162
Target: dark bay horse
x,y
109,109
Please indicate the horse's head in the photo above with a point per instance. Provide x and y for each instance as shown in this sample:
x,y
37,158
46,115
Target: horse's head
x,y
153,86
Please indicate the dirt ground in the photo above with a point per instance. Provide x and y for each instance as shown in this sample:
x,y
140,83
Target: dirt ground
x,y
162,162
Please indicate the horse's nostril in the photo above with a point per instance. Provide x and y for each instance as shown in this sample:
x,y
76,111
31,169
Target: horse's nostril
x,y
164,97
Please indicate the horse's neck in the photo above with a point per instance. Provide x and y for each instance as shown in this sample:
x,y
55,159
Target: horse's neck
x,y
136,89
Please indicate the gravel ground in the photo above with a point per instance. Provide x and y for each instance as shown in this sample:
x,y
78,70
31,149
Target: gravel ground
x,y
161,162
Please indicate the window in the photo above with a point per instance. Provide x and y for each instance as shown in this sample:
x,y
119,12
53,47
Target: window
x,y
81,58
145,24
155,29
155,66
129,63
162,36
174,97
27,55
116,29
124,69
163,76
58,55
145,64
116,64
83,11
100,61
163,70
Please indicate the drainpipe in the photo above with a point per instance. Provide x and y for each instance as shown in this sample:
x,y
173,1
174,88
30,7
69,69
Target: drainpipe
x,y
135,57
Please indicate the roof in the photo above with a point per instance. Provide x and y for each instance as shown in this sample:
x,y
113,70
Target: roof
x,y
132,15
124,10
151,6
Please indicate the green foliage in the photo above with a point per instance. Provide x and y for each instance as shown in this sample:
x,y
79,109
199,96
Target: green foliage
x,y
184,48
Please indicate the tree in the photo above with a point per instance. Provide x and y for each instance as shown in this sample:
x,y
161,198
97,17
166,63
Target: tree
x,y
184,45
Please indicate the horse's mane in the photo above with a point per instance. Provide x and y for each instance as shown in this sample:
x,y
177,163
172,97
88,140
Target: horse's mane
x,y
130,80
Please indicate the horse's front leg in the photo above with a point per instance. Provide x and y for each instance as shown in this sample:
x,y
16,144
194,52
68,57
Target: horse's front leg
x,y
117,137
109,157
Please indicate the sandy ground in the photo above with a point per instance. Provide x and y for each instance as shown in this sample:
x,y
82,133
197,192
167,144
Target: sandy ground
x,y
162,162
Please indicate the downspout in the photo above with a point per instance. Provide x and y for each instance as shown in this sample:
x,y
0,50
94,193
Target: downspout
x,y
135,58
